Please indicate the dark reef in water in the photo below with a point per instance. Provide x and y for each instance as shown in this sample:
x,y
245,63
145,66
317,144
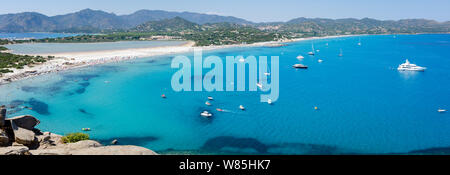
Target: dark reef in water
x,y
139,141
58,85
29,88
84,84
78,77
32,104
80,90
217,143
431,151
38,106
85,112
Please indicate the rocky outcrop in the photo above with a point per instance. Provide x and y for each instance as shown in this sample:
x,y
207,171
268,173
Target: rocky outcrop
x,y
19,137
14,150
114,150
90,147
25,121
4,139
2,116
23,136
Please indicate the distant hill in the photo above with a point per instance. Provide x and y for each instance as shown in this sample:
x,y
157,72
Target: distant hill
x,y
89,18
176,24
321,26
97,20
26,22
142,16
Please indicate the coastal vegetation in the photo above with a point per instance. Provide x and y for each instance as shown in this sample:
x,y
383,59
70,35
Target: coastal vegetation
x,y
75,137
8,61
180,29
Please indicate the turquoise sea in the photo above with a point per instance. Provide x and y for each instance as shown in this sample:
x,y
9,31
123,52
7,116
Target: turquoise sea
x,y
366,105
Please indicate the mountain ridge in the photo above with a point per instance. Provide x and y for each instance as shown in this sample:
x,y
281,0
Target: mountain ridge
x,y
92,21
100,20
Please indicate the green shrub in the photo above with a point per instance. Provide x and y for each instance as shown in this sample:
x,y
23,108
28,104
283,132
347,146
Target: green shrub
x,y
75,137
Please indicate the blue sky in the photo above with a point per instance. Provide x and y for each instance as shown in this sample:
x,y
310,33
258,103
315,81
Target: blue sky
x,y
256,10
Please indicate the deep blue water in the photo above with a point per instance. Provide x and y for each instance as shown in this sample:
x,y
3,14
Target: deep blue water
x,y
34,35
366,105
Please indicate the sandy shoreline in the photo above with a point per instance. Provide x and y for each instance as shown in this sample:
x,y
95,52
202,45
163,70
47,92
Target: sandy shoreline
x,y
71,60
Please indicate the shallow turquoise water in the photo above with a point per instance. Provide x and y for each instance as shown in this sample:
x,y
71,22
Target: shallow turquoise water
x,y
366,106
39,48
34,35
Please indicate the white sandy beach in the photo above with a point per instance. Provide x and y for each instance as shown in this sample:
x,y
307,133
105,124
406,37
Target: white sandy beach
x,y
70,60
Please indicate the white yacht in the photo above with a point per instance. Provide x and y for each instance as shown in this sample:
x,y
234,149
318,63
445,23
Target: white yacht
x,y
206,114
319,60
442,110
300,57
300,66
312,52
407,66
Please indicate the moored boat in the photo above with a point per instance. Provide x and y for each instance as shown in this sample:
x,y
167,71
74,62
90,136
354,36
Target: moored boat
x,y
300,66
407,66
206,114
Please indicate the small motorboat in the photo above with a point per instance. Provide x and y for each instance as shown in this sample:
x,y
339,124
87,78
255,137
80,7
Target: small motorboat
x,y
208,103
206,114
312,53
442,110
300,66
86,129
163,96
220,110
259,85
269,101
242,60
267,74
241,107
300,57
319,60
210,98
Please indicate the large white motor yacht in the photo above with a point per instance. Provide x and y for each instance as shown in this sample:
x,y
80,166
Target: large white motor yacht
x,y
407,66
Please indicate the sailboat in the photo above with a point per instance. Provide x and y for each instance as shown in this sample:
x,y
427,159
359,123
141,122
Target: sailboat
x,y
312,52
